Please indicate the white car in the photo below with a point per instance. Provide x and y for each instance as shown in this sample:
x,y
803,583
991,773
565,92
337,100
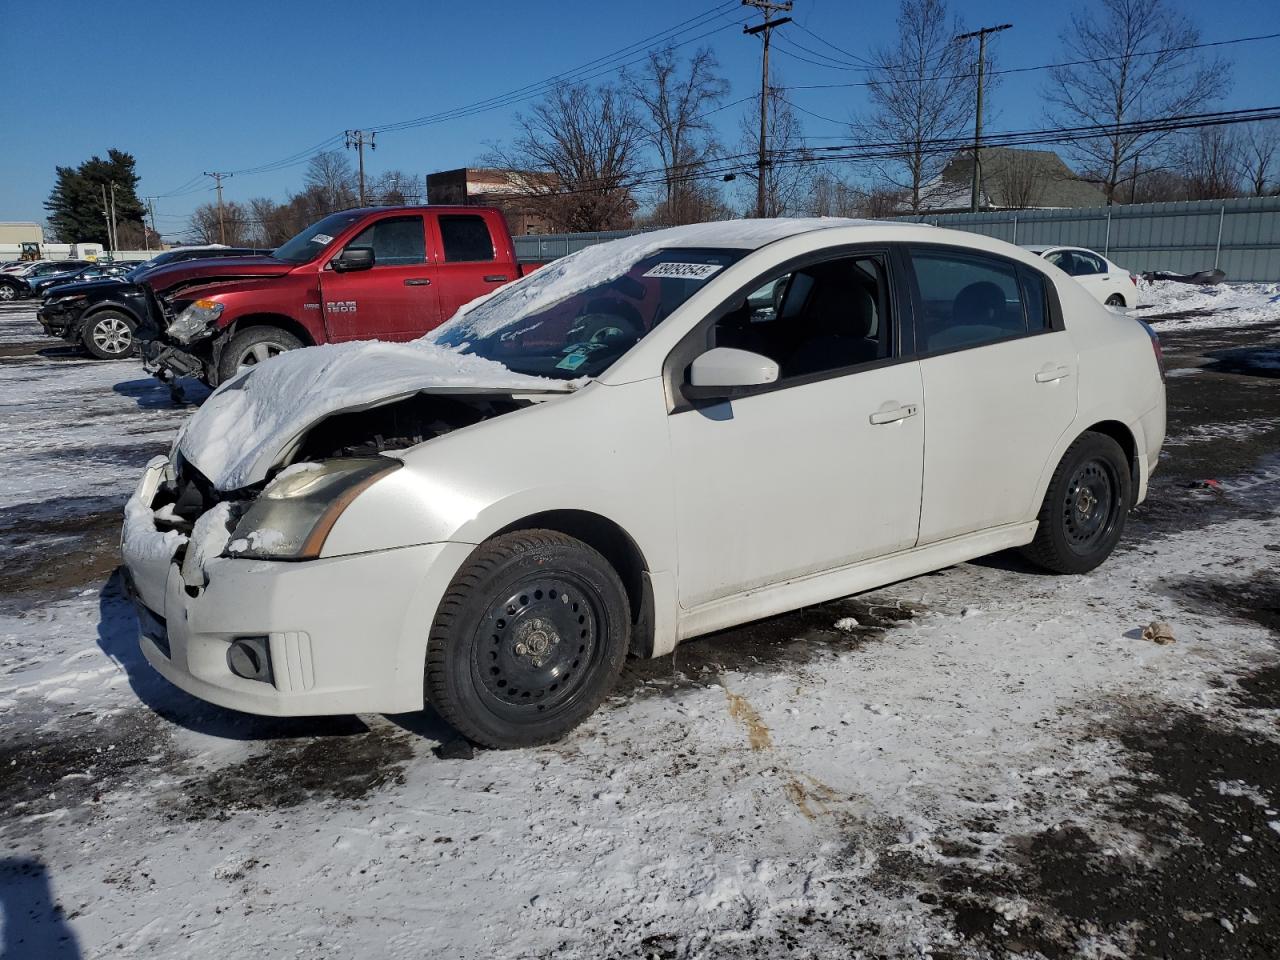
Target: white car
x,y
646,441
1111,284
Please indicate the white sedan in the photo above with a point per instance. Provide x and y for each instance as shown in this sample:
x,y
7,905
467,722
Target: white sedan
x,y
646,441
1111,284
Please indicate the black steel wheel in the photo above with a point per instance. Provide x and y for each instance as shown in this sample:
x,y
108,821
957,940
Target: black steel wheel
x,y
1084,510
1115,300
528,641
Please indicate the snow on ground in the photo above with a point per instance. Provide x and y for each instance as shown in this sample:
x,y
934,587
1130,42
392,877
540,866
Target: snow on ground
x,y
1197,307
862,778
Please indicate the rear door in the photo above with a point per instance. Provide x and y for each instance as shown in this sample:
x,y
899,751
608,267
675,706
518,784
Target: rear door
x,y
1000,380
467,260
397,299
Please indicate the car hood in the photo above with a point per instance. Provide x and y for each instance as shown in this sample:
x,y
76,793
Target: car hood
x,y
93,286
256,420
187,272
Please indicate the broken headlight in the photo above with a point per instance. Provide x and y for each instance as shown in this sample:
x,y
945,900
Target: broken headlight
x,y
195,321
296,511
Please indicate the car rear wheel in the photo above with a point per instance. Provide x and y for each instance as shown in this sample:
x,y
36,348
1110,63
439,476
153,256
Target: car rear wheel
x,y
109,335
8,293
253,346
528,640
1115,300
1083,514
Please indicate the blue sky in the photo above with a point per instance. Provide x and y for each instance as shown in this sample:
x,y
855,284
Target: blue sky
x,y
189,87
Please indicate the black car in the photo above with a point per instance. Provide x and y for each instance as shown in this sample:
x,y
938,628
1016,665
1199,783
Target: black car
x,y
102,315
14,287
41,286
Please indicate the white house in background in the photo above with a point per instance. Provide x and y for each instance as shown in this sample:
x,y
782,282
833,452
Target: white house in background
x,y
1010,180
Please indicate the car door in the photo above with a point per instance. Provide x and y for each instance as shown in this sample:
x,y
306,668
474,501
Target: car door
x,y
1000,375
818,470
396,299
467,263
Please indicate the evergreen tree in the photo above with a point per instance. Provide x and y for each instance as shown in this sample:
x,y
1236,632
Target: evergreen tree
x,y
75,203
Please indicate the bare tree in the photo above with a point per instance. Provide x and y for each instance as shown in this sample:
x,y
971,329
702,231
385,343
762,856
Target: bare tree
x,y
1259,146
830,195
395,187
788,166
674,100
330,176
1139,69
1209,162
922,91
205,225
582,145
1019,179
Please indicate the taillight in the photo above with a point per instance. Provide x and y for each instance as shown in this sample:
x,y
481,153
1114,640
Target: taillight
x,y
1133,279
1155,346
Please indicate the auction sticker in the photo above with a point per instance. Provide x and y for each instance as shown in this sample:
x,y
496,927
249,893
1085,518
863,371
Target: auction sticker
x,y
322,238
684,271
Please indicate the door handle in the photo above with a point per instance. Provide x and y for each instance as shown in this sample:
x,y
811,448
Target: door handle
x,y
890,413
1051,372
496,278
417,282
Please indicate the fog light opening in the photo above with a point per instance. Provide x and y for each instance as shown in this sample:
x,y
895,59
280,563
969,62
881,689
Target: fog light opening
x,y
250,657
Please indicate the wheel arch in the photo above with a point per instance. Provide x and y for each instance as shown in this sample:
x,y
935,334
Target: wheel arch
x,y
283,321
1123,435
615,545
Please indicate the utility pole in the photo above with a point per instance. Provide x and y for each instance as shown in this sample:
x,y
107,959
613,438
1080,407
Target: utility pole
x,y
767,9
106,216
115,230
975,197
359,139
146,237
222,227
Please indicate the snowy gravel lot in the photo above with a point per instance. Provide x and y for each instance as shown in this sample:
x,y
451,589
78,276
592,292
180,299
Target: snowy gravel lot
x,y
982,762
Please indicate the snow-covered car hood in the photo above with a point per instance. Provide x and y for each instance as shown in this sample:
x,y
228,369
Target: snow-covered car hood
x,y
250,422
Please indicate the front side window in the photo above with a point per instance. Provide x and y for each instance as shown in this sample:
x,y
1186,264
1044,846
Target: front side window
x,y
396,242
553,324
820,318
965,301
466,238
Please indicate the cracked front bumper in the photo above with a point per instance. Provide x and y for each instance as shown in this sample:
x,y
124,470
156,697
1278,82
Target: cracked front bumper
x,y
345,634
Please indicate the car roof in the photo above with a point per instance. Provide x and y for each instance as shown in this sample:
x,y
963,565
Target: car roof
x,y
752,234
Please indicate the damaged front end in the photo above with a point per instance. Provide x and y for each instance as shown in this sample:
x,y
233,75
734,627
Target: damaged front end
x,y
181,339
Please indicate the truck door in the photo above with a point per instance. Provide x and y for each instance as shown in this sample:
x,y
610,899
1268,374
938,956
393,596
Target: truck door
x,y
468,261
396,299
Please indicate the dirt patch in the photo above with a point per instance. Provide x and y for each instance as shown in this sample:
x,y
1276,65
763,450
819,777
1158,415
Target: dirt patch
x,y
1255,599
791,638
1200,808
40,773
54,554
292,772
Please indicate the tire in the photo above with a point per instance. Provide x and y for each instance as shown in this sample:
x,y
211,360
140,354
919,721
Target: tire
x,y
110,335
253,346
1115,300
8,293
529,639
1083,515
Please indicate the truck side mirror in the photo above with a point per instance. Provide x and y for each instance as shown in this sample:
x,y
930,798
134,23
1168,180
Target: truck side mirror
x,y
352,259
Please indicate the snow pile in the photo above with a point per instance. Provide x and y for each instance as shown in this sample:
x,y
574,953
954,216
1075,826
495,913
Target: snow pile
x,y
1218,305
235,437
604,262
145,541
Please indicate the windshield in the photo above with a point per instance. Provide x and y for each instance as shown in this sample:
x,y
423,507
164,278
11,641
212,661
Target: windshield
x,y
583,333
310,243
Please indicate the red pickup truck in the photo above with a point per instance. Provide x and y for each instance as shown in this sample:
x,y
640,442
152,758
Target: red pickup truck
x,y
384,273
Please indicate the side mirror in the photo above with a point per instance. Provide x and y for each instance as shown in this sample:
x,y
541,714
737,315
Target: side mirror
x,y
726,372
352,259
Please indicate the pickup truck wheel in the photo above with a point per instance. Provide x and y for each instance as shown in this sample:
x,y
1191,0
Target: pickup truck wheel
x,y
8,292
253,346
1084,510
109,335
528,640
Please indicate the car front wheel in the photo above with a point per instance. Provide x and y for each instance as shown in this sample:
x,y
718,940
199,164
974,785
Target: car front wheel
x,y
528,640
1084,510
109,336
253,346
8,293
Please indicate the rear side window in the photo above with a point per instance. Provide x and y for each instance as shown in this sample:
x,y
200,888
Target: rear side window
x,y
396,242
966,301
466,238
1036,297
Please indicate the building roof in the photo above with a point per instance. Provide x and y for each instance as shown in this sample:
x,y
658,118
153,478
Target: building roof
x,y
1011,180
